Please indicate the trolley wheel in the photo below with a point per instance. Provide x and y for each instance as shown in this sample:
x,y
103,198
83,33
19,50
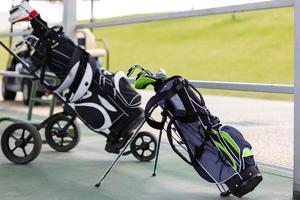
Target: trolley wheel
x,y
7,94
26,91
60,137
21,143
143,147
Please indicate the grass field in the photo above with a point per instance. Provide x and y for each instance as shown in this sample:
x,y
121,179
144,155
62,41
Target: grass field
x,y
3,55
255,47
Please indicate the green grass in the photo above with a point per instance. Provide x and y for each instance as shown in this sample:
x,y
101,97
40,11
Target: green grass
x,y
256,47
3,55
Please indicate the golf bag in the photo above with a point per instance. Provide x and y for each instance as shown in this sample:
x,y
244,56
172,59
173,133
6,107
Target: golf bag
x,y
104,101
219,153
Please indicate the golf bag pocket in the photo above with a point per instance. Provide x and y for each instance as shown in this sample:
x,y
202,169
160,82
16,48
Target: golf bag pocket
x,y
98,112
103,108
220,154
233,146
237,152
129,96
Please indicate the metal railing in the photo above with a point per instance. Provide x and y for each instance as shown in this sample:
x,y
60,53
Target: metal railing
x,y
240,86
15,34
194,13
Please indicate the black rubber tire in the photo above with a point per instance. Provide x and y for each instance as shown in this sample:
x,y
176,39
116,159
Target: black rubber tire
x,y
138,149
7,94
9,137
53,129
26,91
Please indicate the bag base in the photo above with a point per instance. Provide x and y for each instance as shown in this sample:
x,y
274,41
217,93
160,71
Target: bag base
x,y
252,177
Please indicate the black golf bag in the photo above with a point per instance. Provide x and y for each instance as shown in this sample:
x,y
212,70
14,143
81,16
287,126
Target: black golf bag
x,y
104,101
219,153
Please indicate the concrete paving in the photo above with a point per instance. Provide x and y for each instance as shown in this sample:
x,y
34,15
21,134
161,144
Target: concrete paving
x,y
72,175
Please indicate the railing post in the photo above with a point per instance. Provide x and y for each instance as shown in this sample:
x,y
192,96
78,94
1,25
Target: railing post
x,y
296,187
69,18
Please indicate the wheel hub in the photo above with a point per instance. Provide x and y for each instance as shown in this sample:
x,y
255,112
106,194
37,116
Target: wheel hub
x,y
144,146
20,143
60,133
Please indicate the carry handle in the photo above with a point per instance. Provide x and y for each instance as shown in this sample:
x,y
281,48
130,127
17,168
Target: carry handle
x,y
154,124
153,103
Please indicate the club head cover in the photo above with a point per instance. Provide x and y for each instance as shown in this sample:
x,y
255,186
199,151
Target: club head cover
x,y
22,12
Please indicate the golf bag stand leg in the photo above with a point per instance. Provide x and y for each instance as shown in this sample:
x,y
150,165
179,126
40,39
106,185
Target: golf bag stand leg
x,y
98,184
157,152
223,191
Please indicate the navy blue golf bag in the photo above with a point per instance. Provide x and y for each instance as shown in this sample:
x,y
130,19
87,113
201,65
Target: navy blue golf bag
x,y
219,153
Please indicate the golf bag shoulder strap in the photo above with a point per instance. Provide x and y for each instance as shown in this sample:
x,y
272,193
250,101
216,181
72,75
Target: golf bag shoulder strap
x,y
151,105
159,100
81,81
184,111
83,59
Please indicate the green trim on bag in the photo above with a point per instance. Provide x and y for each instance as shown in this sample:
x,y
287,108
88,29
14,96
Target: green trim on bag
x,y
233,162
247,152
229,139
214,131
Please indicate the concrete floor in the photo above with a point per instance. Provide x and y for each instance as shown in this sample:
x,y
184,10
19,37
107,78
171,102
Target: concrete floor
x,y
72,175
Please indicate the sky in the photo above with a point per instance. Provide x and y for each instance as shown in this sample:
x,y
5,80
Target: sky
x,y
108,8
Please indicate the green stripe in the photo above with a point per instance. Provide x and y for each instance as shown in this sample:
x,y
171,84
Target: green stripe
x,y
229,139
214,131
233,162
247,152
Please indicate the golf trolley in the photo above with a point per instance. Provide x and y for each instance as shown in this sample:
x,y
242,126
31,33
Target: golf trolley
x,y
21,141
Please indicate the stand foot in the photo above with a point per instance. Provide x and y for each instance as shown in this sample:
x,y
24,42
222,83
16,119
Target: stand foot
x,y
225,194
119,155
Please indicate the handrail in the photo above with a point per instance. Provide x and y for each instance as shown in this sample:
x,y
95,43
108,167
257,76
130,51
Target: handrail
x,y
15,34
194,13
240,86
